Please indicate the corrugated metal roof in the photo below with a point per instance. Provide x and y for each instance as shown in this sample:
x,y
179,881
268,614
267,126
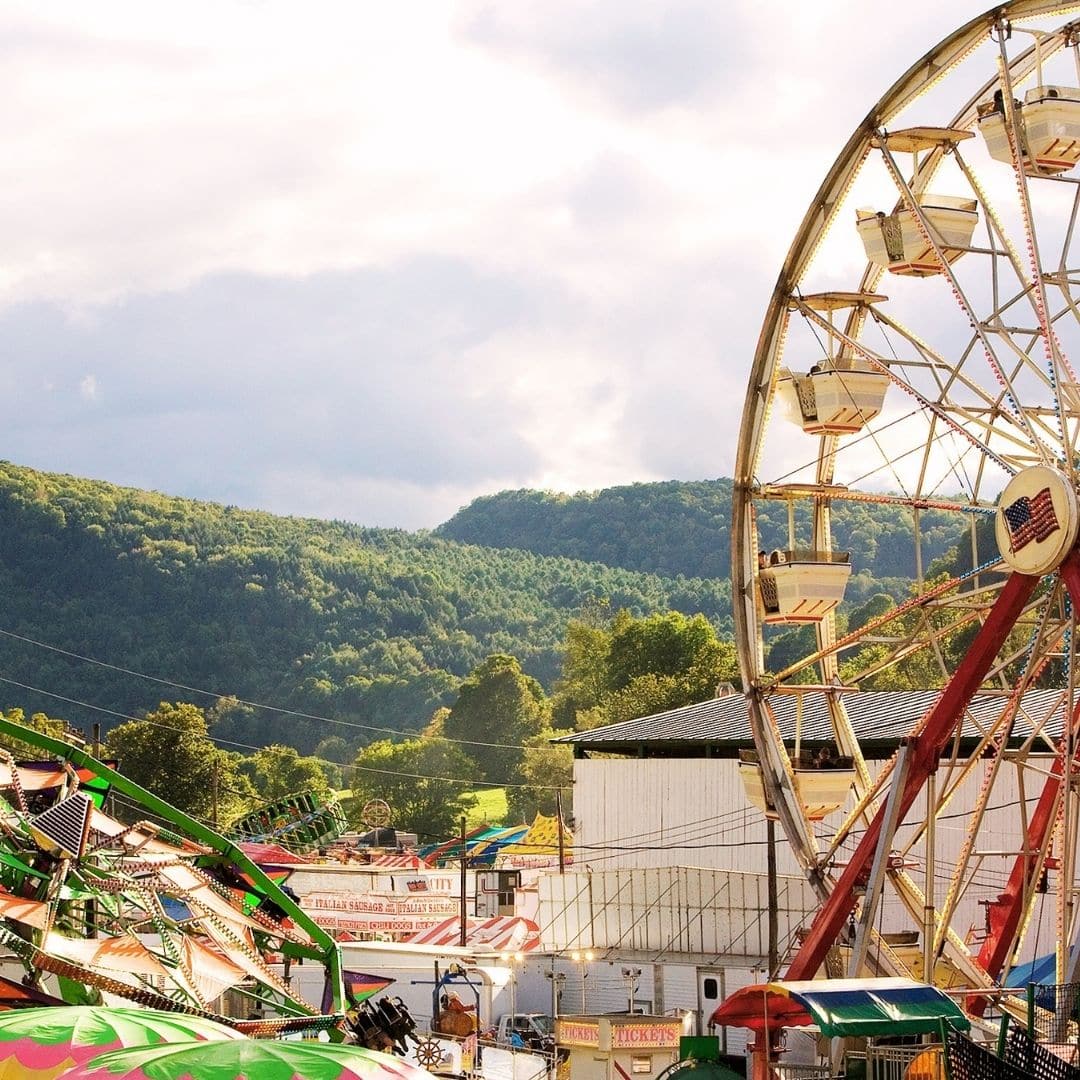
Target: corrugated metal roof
x,y
879,717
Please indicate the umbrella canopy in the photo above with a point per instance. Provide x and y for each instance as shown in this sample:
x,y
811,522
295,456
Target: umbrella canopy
x,y
264,1059
857,1007
40,1044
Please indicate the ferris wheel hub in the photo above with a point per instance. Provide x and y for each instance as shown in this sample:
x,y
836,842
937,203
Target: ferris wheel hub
x,y
1037,520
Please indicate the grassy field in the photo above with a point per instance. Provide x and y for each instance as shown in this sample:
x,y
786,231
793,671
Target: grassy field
x,y
490,807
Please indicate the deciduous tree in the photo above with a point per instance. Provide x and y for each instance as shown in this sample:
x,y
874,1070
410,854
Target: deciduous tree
x,y
544,770
498,707
277,771
421,779
169,752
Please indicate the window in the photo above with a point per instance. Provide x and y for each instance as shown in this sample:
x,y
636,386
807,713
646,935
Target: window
x,y
508,882
641,1065
709,989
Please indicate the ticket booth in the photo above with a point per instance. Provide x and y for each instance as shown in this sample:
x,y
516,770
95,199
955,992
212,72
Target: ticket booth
x,y
618,1047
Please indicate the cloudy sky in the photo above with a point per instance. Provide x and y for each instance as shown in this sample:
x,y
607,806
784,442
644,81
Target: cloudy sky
x,y
368,261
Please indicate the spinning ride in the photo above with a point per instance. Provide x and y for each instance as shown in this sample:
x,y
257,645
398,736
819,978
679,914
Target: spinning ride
x,y
167,915
919,353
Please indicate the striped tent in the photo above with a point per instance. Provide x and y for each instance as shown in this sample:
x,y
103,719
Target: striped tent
x,y
438,854
540,842
484,849
399,862
509,933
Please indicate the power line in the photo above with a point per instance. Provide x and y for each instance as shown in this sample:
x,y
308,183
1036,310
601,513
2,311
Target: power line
x,y
469,783
216,695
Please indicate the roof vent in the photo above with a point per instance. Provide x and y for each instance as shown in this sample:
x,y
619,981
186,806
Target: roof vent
x,y
725,689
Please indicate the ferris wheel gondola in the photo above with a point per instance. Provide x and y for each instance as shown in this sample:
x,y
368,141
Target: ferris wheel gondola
x,y
918,354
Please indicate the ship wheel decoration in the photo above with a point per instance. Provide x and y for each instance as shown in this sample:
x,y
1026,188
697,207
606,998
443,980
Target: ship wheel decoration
x,y
376,814
918,363
428,1053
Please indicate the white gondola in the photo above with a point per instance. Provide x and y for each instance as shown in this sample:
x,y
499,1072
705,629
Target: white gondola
x,y
836,398
802,586
896,241
822,786
1049,135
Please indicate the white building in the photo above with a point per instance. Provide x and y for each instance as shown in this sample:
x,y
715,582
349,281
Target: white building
x,y
664,792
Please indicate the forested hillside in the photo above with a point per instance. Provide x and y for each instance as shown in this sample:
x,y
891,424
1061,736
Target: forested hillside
x,y
376,627
680,527
373,627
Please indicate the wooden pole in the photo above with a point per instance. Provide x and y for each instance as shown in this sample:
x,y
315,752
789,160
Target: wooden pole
x,y
559,826
463,905
774,920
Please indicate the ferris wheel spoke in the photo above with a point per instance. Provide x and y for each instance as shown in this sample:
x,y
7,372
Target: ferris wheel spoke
x,y
948,375
943,411
920,217
993,738
842,493
934,733
981,599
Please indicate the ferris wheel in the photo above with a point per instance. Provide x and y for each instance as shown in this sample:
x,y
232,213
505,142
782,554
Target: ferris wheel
x,y
918,362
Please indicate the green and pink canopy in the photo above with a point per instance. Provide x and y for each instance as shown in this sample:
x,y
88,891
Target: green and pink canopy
x,y
42,1044
246,1060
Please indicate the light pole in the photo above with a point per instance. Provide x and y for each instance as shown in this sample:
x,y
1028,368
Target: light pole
x,y
631,975
583,958
515,959
557,978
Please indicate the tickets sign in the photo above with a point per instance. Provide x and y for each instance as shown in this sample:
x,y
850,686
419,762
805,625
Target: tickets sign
x,y
608,1034
577,1033
652,1035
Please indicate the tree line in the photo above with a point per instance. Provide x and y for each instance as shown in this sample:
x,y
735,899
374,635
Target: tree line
x,y
497,731
321,620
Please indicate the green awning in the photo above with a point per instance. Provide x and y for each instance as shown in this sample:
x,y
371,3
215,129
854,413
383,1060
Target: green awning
x,y
872,1007
860,1007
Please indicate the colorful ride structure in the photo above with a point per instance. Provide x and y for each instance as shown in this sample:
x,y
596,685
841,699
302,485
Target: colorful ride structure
x,y
108,892
300,823
955,397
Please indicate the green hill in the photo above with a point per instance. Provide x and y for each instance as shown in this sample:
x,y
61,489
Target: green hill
x,y
684,528
374,628
369,626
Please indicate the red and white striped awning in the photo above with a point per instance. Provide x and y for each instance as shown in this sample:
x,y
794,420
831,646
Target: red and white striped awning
x,y
502,932
400,862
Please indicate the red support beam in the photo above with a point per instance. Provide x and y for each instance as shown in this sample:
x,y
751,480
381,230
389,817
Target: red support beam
x,y
926,749
1005,913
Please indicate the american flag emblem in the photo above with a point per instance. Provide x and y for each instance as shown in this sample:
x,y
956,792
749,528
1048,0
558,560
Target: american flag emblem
x,y
1030,519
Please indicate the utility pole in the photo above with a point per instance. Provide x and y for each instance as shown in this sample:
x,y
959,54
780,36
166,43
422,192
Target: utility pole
x,y
463,905
558,825
214,793
774,927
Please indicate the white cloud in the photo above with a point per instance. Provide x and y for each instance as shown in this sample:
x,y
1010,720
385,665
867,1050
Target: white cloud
x,y
375,260
88,388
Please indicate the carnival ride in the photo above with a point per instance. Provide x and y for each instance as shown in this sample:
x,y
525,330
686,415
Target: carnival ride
x,y
300,823
917,353
164,912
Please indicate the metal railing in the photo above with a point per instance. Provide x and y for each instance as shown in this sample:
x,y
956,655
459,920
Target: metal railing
x,y
791,1070
919,1062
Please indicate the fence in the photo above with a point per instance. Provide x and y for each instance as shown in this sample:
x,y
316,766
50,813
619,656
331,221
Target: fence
x,y
1053,1011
